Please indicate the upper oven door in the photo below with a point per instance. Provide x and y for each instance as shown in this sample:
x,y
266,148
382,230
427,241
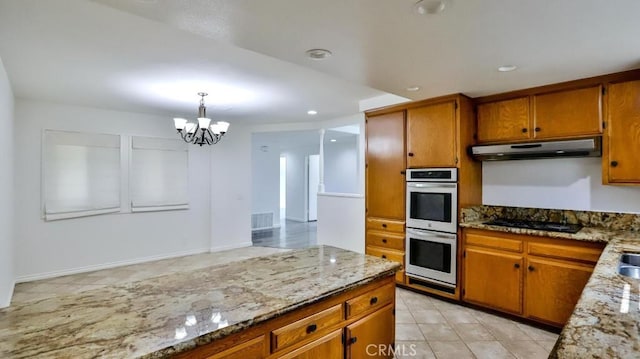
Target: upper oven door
x,y
432,206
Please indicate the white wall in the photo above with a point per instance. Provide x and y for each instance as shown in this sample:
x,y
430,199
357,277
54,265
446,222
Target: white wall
x,y
265,180
341,165
52,248
230,218
567,183
297,182
6,189
341,221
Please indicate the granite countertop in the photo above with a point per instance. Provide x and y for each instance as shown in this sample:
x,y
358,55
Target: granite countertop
x,y
601,326
161,316
588,234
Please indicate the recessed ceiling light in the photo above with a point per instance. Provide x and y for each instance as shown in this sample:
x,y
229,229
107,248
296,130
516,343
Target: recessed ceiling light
x,y
333,140
318,54
430,7
413,88
312,112
507,68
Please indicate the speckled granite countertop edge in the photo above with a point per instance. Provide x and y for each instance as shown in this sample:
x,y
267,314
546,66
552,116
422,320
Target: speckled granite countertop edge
x,y
586,234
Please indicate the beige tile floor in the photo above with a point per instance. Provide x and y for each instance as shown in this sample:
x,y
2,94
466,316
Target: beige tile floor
x,y
440,329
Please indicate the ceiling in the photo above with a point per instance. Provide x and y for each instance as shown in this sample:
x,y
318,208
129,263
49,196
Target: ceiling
x,y
154,55
282,141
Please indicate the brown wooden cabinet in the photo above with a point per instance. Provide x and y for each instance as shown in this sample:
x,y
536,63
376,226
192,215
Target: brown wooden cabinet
x,y
502,121
431,135
252,349
534,277
553,288
329,346
385,166
561,114
569,113
438,133
494,279
373,336
622,143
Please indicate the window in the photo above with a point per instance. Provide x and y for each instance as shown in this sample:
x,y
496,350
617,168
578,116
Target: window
x,y
81,174
159,174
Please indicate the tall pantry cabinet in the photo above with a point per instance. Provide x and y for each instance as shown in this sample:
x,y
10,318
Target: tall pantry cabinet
x,y
433,133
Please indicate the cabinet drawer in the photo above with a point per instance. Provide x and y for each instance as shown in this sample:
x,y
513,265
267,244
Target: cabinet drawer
x,y
306,327
385,239
494,241
571,252
389,254
382,224
376,298
252,349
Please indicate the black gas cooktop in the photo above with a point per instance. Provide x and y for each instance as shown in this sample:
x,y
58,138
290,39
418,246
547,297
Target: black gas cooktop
x,y
543,226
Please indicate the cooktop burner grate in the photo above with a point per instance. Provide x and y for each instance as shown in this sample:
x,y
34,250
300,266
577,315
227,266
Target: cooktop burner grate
x,y
543,226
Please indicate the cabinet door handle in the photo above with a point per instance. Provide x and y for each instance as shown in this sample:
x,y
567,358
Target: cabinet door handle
x,y
538,129
311,328
531,268
524,130
373,300
384,240
517,265
614,163
353,340
384,256
410,154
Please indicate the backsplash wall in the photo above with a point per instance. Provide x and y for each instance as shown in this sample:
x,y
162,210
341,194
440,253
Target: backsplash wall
x,y
560,183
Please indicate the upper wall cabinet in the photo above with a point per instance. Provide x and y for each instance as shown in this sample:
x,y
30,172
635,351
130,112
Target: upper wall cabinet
x,y
554,115
431,135
504,121
571,113
620,159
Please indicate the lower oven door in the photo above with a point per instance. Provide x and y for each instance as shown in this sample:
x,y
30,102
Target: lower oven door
x,y
432,256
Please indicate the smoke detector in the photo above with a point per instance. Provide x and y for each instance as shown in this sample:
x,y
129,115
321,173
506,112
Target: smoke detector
x,y
430,7
318,54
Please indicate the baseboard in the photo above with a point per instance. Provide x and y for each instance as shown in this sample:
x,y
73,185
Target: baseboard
x,y
6,302
295,219
231,246
91,268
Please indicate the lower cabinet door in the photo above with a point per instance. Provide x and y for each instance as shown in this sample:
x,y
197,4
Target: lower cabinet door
x,y
252,349
327,347
493,279
372,336
553,289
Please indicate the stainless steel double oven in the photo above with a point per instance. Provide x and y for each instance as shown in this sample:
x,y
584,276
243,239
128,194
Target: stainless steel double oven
x,y
432,224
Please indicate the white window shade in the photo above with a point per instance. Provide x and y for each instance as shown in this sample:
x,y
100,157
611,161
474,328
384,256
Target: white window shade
x,y
81,174
159,174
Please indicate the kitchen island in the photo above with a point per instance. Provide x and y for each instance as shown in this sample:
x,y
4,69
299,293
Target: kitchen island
x,y
276,304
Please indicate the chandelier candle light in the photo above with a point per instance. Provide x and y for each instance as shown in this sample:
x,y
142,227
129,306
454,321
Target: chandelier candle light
x,y
201,132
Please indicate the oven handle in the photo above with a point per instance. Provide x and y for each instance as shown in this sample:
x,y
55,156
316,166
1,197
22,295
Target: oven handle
x,y
431,185
430,234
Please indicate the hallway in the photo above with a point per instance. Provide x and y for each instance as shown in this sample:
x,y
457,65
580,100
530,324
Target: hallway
x,y
291,235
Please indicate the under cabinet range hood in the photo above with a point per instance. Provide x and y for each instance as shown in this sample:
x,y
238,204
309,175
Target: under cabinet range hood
x,y
525,151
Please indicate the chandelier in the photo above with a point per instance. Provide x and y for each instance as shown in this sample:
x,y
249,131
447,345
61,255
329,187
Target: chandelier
x,y
201,132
